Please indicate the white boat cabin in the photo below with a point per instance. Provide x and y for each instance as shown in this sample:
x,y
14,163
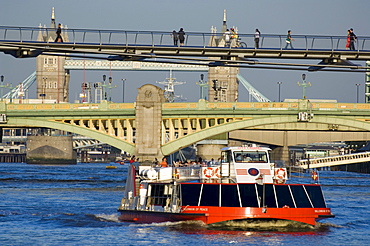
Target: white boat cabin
x,y
238,165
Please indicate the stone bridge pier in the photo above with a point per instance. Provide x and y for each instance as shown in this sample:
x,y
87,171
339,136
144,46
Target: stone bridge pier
x,y
149,123
149,130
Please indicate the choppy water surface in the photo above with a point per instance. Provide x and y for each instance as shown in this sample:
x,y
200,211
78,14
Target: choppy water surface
x,y
77,205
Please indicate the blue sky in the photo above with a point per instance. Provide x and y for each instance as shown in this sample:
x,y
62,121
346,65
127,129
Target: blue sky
x,y
321,17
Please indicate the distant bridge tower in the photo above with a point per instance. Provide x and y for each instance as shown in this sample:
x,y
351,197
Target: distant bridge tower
x,y
52,78
223,84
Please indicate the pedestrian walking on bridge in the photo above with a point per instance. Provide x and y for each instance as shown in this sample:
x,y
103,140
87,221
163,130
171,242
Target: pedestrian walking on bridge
x,y
257,35
353,38
289,40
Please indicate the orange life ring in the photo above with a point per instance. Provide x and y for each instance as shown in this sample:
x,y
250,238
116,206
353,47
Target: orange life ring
x,y
280,175
314,176
216,173
208,172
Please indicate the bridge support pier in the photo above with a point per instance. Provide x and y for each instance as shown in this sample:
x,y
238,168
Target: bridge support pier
x,y
149,123
210,150
281,153
50,150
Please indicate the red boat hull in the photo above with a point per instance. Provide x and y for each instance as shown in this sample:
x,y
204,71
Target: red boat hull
x,y
210,215
142,216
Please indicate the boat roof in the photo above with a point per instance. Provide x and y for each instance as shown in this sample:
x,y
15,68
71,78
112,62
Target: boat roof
x,y
246,148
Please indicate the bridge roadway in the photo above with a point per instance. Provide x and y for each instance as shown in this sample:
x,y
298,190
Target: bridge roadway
x,y
22,42
182,124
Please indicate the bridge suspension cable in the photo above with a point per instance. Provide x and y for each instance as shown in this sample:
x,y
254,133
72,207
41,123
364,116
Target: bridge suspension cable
x,y
251,90
26,84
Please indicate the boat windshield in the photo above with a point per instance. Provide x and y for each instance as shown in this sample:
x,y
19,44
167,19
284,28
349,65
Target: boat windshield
x,y
250,156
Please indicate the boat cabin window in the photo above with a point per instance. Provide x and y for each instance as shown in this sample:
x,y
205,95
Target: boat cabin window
x,y
230,196
284,197
300,196
252,195
316,196
250,156
190,194
210,195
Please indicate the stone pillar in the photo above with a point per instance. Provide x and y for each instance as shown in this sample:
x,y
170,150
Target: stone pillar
x,y
281,153
50,150
148,123
209,151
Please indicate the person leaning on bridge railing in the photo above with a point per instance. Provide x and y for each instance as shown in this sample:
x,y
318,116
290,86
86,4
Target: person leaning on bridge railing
x,y
181,35
175,37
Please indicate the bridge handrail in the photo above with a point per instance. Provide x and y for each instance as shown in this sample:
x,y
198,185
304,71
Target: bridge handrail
x,y
153,38
333,158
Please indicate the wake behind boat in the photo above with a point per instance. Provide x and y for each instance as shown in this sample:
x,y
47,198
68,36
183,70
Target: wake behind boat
x,y
244,186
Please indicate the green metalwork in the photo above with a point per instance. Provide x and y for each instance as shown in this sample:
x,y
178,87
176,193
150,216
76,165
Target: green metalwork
x,y
113,141
212,119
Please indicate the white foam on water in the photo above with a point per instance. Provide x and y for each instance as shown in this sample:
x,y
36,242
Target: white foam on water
x,y
107,217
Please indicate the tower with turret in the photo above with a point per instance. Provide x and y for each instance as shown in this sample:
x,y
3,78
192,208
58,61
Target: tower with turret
x,y
223,84
52,78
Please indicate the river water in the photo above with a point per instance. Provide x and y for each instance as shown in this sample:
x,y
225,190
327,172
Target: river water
x,y
77,205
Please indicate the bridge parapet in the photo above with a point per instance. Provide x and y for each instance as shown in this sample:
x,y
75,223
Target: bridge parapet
x,y
201,105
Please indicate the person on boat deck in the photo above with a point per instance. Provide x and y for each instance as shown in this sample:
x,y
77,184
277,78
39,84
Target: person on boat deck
x,y
133,159
211,163
136,164
164,162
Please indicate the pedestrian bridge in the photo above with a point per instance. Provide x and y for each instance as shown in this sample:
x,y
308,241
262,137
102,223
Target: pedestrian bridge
x,y
199,48
334,160
182,124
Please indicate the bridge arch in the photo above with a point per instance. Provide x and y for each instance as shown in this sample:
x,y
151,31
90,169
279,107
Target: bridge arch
x,y
279,123
111,140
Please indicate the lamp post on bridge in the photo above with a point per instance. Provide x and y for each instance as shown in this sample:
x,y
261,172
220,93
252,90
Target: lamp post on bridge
x,y
203,84
123,90
279,83
357,85
110,86
304,85
104,94
43,89
2,87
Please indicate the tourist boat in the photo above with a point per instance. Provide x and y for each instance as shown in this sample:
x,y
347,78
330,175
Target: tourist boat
x,y
245,185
